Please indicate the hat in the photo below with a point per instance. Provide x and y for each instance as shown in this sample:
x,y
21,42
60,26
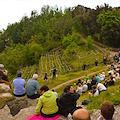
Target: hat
x,y
1,66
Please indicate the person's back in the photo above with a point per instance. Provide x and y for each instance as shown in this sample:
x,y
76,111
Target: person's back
x,y
101,87
33,88
19,85
84,88
98,78
79,90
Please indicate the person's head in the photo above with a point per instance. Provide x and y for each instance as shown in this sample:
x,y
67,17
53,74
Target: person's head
x,y
1,66
45,74
35,76
69,88
79,85
96,75
93,76
84,83
107,110
81,114
106,80
53,90
19,74
94,87
43,89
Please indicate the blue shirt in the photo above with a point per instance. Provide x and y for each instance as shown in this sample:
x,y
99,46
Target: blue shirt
x,y
19,86
98,78
32,87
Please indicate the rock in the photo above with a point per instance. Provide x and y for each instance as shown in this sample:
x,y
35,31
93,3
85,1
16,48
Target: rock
x,y
16,105
5,95
4,86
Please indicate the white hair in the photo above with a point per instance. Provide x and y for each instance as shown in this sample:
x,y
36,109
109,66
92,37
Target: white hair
x,y
35,76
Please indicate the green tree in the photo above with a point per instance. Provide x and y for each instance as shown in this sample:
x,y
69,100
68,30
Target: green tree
x,y
89,42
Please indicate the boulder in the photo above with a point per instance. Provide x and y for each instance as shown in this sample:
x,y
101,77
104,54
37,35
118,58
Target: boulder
x,y
4,86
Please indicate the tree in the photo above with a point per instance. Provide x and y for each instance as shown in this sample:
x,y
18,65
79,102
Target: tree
x,y
89,42
110,30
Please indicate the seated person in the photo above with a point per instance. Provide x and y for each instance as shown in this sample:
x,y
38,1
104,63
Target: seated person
x,y
98,78
86,78
89,85
79,81
55,93
46,78
84,87
3,76
102,76
111,72
105,83
67,101
19,85
101,87
107,111
111,81
33,88
47,105
79,89
94,92
93,81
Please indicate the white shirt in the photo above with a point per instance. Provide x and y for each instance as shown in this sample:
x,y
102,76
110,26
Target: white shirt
x,y
85,88
101,87
79,90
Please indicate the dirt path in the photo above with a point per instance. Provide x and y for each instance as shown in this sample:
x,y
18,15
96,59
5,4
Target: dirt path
x,y
60,85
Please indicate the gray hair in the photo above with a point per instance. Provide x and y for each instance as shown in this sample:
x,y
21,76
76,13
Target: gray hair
x,y
35,76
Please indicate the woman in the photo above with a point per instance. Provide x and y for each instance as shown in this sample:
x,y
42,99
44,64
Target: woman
x,y
94,92
47,105
67,101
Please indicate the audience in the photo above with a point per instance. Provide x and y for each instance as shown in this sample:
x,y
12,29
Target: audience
x,y
98,78
3,76
94,92
107,111
101,87
19,85
67,101
81,114
84,87
47,105
55,93
33,88
79,89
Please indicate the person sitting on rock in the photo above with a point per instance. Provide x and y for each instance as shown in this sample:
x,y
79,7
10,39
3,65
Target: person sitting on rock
x,y
67,101
3,75
33,88
107,111
47,105
19,85
79,89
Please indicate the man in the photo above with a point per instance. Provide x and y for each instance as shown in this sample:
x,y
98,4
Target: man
x,y
19,85
3,76
81,114
107,111
33,88
84,87
101,87
86,78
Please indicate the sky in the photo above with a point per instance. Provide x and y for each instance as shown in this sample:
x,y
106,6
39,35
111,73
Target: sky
x,y
12,11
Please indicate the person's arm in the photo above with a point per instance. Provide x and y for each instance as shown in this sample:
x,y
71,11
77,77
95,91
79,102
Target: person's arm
x,y
3,81
38,107
39,91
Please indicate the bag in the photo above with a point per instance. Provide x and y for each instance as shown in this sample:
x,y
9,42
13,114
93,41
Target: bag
x,y
86,102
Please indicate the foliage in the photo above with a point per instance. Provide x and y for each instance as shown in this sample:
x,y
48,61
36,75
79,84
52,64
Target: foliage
x,y
89,42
